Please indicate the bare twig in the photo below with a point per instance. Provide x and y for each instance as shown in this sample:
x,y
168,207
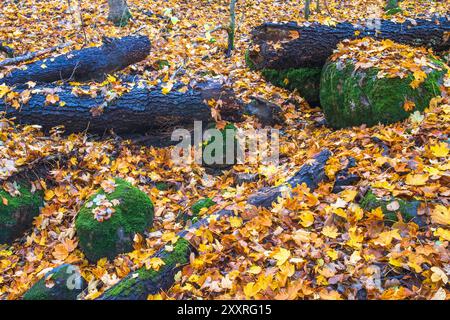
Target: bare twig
x,y
32,55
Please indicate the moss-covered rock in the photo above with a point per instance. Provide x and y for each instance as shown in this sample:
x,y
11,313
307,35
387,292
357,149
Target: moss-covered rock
x,y
61,283
305,80
133,213
17,212
139,284
351,97
209,148
407,209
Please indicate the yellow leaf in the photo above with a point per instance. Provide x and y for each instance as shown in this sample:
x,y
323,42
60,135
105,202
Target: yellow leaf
x,y
255,269
307,218
60,252
416,179
409,106
440,150
330,231
281,255
4,89
154,263
235,222
4,201
49,194
251,289
438,275
443,234
441,215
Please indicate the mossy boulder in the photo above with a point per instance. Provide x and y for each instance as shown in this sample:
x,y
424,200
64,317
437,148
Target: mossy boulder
x,y
354,96
61,283
133,213
407,209
305,80
210,147
17,212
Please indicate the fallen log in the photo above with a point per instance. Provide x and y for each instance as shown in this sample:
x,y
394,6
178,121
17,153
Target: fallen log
x,y
139,284
283,46
141,109
310,174
85,64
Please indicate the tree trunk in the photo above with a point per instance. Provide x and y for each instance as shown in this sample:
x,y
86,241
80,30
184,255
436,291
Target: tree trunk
x,y
119,14
140,110
85,64
285,46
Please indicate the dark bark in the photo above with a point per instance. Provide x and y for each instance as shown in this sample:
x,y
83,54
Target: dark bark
x,y
310,46
139,284
7,50
85,64
139,110
310,174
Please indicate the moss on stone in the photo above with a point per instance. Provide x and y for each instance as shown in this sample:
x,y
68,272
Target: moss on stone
x,y
248,60
17,215
195,210
352,97
200,204
64,283
407,209
305,80
134,214
206,144
139,285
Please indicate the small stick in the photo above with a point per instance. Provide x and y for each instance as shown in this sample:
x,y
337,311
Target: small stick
x,y
32,55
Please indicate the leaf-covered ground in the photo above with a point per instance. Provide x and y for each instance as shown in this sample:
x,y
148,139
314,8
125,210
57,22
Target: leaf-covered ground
x,y
313,245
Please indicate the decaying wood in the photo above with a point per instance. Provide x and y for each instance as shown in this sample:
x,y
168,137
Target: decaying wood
x,y
311,174
86,64
282,46
139,110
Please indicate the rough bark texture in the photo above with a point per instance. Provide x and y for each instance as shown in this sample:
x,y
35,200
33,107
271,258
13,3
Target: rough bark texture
x,y
85,64
310,46
139,284
139,110
310,174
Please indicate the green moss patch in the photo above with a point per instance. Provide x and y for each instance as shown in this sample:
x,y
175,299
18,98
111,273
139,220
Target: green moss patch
x,y
61,283
210,147
17,212
407,209
305,80
352,97
108,238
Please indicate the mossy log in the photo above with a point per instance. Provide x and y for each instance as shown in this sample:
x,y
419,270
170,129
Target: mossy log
x,y
139,284
101,237
350,96
86,64
61,283
310,174
140,110
408,209
284,46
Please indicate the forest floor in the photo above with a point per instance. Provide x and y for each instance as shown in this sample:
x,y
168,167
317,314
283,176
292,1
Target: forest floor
x,y
294,250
